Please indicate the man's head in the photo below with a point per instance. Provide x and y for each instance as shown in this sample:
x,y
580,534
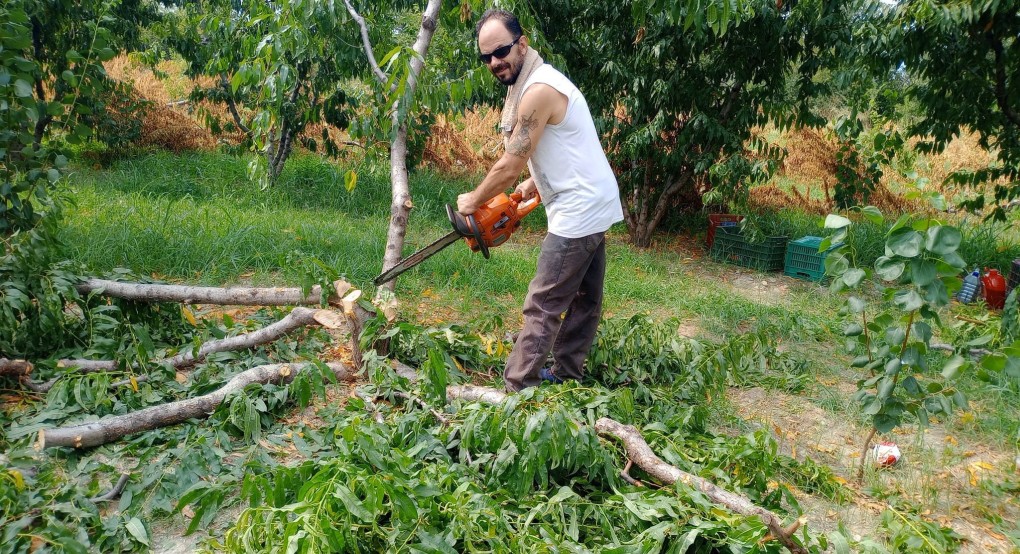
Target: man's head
x,y
501,44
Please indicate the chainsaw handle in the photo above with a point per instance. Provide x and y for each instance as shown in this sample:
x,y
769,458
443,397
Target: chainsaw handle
x,y
524,208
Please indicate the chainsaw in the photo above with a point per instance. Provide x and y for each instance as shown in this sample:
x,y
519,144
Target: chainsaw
x,y
490,226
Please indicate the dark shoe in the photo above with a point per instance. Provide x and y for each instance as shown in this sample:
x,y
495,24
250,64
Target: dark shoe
x,y
546,374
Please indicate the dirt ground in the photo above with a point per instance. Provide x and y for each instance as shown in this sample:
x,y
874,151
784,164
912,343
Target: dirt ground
x,y
937,470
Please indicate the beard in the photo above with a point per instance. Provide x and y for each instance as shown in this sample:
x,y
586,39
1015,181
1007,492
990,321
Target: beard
x,y
515,71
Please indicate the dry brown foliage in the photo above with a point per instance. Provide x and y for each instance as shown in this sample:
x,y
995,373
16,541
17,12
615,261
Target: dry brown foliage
x,y
466,144
811,155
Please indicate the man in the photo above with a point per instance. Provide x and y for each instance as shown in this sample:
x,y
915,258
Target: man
x,y
548,127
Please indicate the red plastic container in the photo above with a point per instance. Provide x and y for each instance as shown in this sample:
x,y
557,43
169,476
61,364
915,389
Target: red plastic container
x,y
720,220
995,289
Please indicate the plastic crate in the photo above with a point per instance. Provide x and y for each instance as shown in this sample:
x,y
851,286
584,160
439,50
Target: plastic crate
x,y
720,220
731,247
804,261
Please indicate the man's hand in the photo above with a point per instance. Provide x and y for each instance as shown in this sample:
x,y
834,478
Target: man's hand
x,y
527,189
466,203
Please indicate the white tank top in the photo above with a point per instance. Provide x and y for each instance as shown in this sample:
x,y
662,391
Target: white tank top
x,y
570,168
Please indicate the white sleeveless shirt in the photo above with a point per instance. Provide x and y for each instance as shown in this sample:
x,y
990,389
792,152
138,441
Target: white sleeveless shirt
x,y
570,168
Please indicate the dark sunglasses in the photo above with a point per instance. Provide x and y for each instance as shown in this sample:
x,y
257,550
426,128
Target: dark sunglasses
x,y
499,53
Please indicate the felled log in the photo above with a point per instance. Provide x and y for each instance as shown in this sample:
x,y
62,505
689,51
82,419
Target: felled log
x,y
231,296
113,428
16,368
641,454
297,318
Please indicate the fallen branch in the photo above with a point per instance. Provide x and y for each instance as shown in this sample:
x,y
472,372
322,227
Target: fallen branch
x,y
974,352
110,429
639,451
297,318
116,491
641,454
17,368
232,296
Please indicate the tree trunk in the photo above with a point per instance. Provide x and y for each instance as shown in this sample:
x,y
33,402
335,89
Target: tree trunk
x,y
400,207
113,428
299,317
232,296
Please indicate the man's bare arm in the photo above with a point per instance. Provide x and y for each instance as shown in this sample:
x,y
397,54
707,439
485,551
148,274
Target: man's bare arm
x,y
536,109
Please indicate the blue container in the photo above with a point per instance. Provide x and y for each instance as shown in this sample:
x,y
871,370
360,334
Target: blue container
x,y
971,287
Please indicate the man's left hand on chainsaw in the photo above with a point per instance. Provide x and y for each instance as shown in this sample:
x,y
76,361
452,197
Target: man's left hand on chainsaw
x,y
467,203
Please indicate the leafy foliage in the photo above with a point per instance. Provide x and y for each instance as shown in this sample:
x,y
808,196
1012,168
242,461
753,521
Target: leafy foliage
x,y
52,82
961,56
891,340
676,88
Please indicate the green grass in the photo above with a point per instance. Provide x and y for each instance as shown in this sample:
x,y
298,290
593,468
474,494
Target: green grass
x,y
196,219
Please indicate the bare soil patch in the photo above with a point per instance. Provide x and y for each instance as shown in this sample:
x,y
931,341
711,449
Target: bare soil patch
x,y
939,472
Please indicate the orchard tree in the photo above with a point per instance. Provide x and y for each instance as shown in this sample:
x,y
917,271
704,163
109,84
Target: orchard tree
x,y
52,82
964,59
677,87
278,67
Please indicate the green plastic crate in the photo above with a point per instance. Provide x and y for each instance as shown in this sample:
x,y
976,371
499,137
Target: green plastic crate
x,y
731,247
804,261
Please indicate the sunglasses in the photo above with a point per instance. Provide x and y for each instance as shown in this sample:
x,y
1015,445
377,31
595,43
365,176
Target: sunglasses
x,y
499,53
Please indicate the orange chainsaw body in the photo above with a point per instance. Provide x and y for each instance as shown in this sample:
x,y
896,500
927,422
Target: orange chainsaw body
x,y
492,223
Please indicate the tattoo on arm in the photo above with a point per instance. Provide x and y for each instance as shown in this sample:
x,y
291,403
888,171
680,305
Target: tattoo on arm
x,y
520,143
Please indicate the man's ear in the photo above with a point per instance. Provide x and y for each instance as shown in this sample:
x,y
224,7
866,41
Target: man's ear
x,y
524,41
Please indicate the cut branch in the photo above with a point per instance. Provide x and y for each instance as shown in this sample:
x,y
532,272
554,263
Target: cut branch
x,y
297,318
232,296
116,491
17,368
110,429
642,455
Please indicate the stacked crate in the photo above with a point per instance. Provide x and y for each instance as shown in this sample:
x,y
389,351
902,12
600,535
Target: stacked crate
x,y
731,246
804,261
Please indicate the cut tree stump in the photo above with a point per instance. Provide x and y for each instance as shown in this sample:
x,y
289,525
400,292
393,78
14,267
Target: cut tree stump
x,y
16,368
113,428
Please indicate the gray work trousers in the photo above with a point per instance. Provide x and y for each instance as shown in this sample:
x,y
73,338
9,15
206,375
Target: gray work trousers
x,y
561,311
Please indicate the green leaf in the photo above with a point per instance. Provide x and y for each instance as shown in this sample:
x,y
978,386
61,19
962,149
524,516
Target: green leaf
x,y
960,400
22,88
839,543
872,405
923,272
885,423
905,242
350,180
889,269
943,239
953,367
873,214
885,387
137,530
833,221
908,300
856,305
853,276
352,503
